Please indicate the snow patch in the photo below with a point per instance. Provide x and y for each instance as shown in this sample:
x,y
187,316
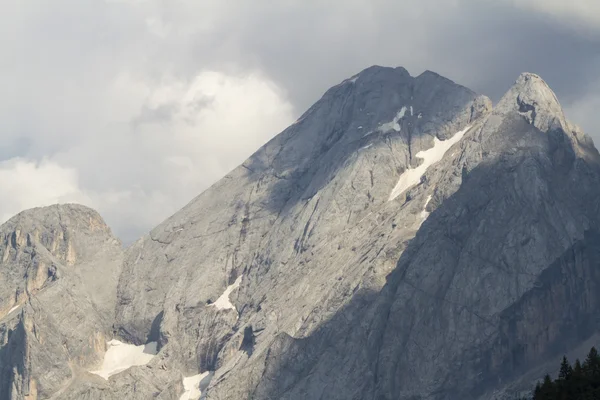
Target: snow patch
x,y
121,356
412,176
367,146
195,386
353,80
360,127
420,115
223,302
393,124
425,213
13,309
402,112
411,111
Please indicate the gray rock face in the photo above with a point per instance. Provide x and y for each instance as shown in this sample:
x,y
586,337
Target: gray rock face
x,y
306,221
464,283
477,297
58,276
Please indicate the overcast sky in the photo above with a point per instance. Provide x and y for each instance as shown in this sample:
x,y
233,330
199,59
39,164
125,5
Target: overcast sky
x,y
133,107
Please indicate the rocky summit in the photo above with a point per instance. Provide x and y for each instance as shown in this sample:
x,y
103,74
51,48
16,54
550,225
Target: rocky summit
x,y
403,239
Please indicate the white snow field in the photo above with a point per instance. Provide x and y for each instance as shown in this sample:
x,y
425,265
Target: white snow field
x,y
223,302
425,213
121,356
10,311
412,176
393,124
195,386
13,309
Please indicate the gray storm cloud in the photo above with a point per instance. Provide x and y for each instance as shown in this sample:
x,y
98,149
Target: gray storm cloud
x,y
135,107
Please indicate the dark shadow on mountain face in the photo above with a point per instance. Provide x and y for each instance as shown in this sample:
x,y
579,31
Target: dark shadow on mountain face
x,y
248,341
12,357
558,314
154,334
290,361
302,159
414,338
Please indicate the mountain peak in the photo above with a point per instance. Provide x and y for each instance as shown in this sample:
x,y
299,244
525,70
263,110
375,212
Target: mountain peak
x,y
531,97
532,85
60,213
429,73
377,73
59,228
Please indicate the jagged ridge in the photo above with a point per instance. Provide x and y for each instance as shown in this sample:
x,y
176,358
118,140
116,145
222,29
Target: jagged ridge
x,y
306,228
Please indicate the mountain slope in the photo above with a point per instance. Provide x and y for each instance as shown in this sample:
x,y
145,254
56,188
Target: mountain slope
x,y
301,220
463,313
59,271
389,244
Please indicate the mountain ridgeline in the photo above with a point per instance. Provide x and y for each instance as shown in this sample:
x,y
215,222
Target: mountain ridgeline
x,y
403,239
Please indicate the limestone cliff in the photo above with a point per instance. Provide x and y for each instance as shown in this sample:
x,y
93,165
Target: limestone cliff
x,y
402,240
58,278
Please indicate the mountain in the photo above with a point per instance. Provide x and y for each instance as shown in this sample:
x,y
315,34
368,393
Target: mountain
x,y
59,271
402,240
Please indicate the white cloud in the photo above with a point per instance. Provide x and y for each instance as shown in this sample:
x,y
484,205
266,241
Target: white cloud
x,y
127,104
137,167
26,184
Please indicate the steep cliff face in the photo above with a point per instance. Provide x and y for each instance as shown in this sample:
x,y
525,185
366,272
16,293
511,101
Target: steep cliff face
x,y
305,223
475,300
59,272
402,239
